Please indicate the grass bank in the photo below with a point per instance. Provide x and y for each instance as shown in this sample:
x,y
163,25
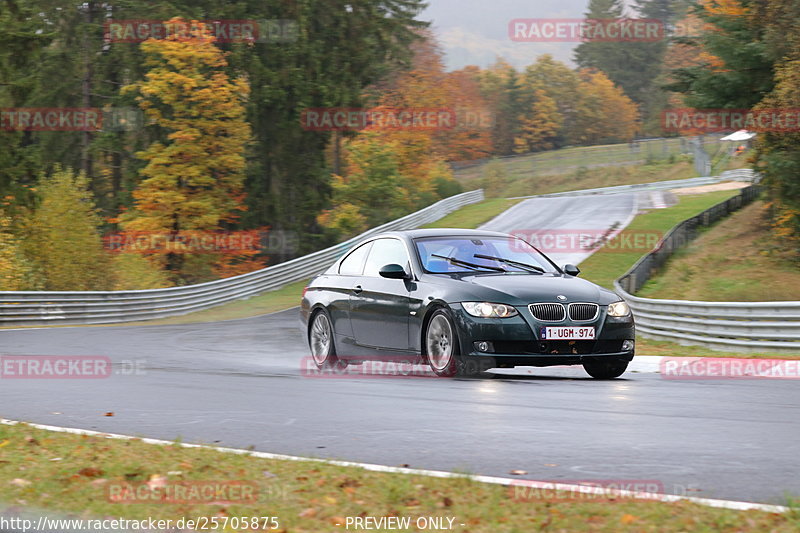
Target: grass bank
x,y
736,260
93,477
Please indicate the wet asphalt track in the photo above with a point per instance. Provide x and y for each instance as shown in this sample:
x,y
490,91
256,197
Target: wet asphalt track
x,y
241,384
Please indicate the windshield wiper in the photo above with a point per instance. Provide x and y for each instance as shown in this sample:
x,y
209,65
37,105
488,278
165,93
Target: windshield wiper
x,y
530,268
459,262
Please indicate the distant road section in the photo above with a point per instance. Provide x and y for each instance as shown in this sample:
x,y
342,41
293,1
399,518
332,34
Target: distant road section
x,y
559,224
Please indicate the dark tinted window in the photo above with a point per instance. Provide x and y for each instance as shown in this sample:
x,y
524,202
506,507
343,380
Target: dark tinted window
x,y
433,253
385,252
353,264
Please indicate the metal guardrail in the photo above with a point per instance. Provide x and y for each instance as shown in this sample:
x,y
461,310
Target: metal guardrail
x,y
733,326
744,174
38,308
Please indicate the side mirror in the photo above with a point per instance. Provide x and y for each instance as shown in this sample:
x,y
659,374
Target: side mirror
x,y
393,272
571,270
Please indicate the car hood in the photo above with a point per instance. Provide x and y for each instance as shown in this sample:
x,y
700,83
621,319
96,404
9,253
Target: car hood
x,y
523,289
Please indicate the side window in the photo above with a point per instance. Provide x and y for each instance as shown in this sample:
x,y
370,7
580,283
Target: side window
x,y
385,252
353,264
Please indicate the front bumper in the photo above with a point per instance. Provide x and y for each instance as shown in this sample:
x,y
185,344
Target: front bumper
x,y
516,340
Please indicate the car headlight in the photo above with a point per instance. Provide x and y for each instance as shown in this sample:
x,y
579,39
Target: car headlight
x,y
619,309
489,310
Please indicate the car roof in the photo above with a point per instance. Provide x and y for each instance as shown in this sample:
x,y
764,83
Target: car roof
x,y
442,232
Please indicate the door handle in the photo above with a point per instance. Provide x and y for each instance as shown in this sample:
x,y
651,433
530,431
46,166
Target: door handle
x,y
357,289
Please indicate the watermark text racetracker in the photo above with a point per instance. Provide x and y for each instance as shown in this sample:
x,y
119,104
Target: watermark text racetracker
x,y
689,120
559,240
70,119
195,242
160,490
394,118
704,368
584,490
66,367
548,30
223,31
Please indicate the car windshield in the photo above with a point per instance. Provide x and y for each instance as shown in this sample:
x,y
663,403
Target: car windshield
x,y
453,255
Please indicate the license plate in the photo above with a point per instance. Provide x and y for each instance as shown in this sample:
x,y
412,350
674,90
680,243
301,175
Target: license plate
x,y
568,334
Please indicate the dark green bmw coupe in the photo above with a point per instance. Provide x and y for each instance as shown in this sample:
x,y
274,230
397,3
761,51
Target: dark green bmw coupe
x,y
463,301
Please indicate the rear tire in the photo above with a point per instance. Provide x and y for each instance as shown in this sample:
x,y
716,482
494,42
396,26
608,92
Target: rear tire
x,y
321,342
605,369
443,351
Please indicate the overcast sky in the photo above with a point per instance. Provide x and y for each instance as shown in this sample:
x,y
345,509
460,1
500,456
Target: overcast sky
x,y
475,32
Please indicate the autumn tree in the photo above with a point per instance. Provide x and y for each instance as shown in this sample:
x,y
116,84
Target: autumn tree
x,y
391,171
747,56
500,88
562,85
539,124
472,136
605,114
778,152
194,176
372,191
16,270
62,236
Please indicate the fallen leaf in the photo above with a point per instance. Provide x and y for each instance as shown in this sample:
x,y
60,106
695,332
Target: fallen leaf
x,y
329,500
308,513
98,482
447,502
18,482
109,413
90,471
627,519
4,443
31,440
337,520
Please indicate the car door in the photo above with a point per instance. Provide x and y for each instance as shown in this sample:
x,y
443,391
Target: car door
x,y
339,289
379,307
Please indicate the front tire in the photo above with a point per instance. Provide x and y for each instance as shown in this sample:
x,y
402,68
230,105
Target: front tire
x,y
602,369
443,351
320,340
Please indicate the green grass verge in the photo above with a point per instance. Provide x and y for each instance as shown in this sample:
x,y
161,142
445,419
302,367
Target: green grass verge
x,y
76,474
609,263
739,259
526,183
472,216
